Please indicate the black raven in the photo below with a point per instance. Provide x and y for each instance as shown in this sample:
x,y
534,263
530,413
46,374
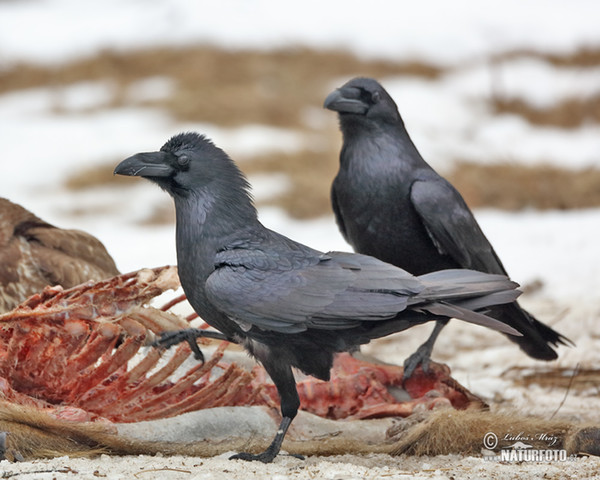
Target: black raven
x,y
287,304
389,203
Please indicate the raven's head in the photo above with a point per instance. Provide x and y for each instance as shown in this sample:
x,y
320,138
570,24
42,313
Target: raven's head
x,y
363,98
187,162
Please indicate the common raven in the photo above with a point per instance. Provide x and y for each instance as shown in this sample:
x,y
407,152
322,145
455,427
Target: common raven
x,y
389,203
290,305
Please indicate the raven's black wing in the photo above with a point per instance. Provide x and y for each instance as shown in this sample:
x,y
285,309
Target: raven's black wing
x,y
452,226
339,218
330,291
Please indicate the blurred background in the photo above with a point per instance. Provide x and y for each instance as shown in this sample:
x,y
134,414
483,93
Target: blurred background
x,y
503,98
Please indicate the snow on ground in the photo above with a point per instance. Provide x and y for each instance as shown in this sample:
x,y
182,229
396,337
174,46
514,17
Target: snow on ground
x,y
46,133
345,467
431,29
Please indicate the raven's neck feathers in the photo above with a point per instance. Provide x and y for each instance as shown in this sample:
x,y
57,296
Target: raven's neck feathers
x,y
353,124
219,207
367,142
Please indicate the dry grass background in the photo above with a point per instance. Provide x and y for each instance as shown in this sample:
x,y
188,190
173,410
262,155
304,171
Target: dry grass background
x,y
575,379
232,88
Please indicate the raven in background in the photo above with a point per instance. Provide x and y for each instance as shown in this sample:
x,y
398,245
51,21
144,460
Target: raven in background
x,y
390,204
35,254
287,304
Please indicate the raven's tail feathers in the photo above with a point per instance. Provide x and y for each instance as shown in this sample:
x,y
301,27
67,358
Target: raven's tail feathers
x,y
459,293
537,339
490,296
455,311
454,284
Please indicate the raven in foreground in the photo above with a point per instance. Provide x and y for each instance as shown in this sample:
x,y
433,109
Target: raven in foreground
x,y
287,304
389,203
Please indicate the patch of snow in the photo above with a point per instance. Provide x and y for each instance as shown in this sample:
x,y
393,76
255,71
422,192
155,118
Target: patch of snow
x,y
82,96
435,31
150,89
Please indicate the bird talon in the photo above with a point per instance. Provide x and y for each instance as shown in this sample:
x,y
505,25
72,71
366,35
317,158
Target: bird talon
x,y
166,340
420,357
198,355
409,369
169,339
264,457
249,457
425,366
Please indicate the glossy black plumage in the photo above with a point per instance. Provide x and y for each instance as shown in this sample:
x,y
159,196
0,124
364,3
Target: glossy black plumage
x,y
290,305
389,203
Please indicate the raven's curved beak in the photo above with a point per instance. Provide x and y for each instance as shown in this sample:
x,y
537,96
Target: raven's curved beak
x,y
152,164
346,100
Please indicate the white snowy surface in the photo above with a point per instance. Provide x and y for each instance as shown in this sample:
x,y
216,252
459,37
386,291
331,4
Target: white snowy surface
x,y
47,133
345,467
44,31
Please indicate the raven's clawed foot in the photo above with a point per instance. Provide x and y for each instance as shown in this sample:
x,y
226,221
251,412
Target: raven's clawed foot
x,y
189,335
421,357
272,450
423,354
265,457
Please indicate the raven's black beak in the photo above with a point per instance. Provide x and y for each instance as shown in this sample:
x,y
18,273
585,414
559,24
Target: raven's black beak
x,y
346,100
153,164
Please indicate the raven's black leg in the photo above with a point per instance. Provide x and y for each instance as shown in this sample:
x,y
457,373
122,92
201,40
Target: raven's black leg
x,y
189,335
423,354
272,450
282,376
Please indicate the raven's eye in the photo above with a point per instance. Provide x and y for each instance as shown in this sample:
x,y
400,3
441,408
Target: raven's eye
x,y
375,97
183,160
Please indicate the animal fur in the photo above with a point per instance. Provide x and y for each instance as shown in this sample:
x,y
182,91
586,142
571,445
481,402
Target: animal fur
x,y
34,254
33,433
462,432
